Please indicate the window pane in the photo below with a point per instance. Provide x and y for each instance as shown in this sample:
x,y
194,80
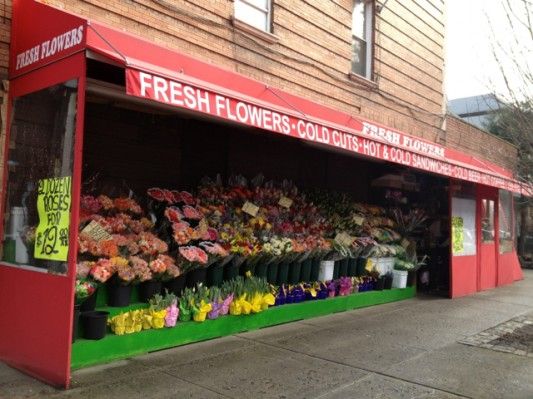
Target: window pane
x,y
262,4
487,220
463,226
505,222
41,144
359,56
251,15
358,19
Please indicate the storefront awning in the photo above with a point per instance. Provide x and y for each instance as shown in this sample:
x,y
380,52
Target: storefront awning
x,y
166,76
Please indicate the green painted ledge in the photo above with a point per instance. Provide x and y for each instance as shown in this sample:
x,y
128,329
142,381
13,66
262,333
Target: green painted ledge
x,y
114,347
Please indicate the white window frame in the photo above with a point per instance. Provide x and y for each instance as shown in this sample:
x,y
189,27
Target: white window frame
x,y
267,11
368,33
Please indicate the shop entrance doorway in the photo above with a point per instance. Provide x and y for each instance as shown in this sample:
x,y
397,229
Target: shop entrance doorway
x,y
487,200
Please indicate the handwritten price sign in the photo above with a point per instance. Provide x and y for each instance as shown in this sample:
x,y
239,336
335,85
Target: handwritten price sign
x,y
250,209
53,205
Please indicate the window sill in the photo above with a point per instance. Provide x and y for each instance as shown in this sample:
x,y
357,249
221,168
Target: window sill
x,y
362,80
243,26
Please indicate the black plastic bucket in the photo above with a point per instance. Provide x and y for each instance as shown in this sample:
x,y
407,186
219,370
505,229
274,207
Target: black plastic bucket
x,y
94,324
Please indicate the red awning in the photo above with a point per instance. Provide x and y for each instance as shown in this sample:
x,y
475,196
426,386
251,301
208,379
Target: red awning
x,y
166,76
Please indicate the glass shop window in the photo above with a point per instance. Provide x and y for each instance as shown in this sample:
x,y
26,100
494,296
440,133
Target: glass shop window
x,y
37,211
505,222
487,220
463,223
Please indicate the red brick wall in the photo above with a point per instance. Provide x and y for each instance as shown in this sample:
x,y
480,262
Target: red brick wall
x,y
468,138
311,57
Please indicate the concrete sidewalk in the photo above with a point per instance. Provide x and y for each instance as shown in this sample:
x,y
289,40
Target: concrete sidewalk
x,y
406,349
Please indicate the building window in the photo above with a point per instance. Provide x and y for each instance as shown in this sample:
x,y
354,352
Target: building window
x,y
256,13
362,25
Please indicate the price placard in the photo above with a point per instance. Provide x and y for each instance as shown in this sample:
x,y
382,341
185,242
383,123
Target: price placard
x,y
96,231
285,202
250,208
369,265
344,239
358,220
405,243
53,206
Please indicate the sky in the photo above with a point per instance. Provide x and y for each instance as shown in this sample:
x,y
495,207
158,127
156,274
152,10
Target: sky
x,y
474,29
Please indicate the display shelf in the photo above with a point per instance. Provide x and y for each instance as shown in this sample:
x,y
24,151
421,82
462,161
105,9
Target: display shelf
x,y
114,347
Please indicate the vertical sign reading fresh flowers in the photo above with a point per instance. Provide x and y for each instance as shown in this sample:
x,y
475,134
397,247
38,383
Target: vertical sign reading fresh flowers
x,y
53,205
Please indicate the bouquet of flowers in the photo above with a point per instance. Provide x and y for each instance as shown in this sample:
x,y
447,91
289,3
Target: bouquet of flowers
x,y
84,289
192,257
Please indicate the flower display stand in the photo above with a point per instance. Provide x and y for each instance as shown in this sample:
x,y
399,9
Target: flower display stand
x,y
114,347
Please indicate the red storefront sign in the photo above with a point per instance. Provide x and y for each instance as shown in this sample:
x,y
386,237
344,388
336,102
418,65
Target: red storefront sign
x,y
360,137
55,39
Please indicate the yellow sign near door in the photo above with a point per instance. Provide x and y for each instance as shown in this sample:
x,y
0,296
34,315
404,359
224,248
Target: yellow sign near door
x,y
53,205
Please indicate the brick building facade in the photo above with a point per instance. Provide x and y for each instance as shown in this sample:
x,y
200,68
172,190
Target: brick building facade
x,y
308,52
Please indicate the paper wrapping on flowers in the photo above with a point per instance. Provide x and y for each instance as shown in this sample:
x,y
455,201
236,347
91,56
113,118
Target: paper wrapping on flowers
x,y
127,323
184,312
158,318
172,314
200,311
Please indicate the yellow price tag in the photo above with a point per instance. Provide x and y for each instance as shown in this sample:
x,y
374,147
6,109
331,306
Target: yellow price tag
x,y
285,202
250,209
53,206
369,265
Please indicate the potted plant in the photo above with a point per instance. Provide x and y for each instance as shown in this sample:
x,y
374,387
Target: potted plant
x,y
215,299
158,311
172,313
201,305
399,274
227,298
185,304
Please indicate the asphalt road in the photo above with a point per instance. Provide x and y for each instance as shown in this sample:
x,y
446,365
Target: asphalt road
x,y
406,349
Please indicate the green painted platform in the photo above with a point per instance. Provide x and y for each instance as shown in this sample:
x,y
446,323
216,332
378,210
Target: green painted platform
x,y
114,347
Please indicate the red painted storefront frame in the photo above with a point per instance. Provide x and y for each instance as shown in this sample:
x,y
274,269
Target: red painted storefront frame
x,y
36,335
37,308
487,260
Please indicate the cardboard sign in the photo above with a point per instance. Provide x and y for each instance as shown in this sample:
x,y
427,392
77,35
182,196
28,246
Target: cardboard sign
x,y
96,231
285,202
250,209
344,239
358,220
53,206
